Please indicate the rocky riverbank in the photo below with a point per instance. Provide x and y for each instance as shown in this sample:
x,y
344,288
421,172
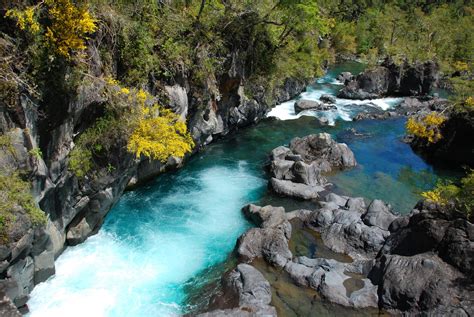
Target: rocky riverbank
x,y
390,79
456,146
76,206
420,263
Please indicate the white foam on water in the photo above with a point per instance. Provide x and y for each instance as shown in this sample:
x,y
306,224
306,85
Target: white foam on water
x,y
187,229
346,109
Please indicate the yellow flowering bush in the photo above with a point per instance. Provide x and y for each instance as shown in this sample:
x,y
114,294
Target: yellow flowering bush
x,y
66,27
25,19
70,24
441,194
159,137
462,195
469,102
460,66
133,117
427,127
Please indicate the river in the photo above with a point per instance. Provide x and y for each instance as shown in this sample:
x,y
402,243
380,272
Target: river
x,y
157,239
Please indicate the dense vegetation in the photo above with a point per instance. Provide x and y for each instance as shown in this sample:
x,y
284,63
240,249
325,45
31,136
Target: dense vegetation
x,y
460,195
131,48
16,200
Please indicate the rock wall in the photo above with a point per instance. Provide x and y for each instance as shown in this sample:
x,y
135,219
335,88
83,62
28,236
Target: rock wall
x,y
456,147
76,207
390,79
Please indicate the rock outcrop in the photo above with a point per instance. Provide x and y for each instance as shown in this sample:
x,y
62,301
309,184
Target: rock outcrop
x,y
298,171
269,241
302,105
245,292
347,226
456,147
418,263
427,263
345,77
76,207
390,79
328,98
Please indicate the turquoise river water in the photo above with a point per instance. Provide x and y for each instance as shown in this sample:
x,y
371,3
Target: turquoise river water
x,y
158,238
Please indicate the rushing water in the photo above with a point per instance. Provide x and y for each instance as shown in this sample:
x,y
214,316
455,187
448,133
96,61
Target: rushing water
x,y
157,239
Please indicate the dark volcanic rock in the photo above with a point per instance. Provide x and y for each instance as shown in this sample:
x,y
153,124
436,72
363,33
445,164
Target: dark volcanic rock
x,y
371,84
340,221
423,265
390,79
298,171
417,283
296,190
345,77
456,147
328,98
270,241
245,293
302,105
7,308
426,263
378,214
323,150
436,229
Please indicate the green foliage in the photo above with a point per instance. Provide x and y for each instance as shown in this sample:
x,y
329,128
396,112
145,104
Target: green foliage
x,y
16,198
426,127
344,38
94,143
462,195
133,121
463,97
413,30
36,153
62,24
80,161
6,144
194,38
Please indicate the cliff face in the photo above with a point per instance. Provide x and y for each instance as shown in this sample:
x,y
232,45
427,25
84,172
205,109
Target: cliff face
x,y
76,207
456,147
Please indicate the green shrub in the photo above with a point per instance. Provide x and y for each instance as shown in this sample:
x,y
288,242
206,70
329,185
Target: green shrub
x,y
15,196
462,195
36,153
80,161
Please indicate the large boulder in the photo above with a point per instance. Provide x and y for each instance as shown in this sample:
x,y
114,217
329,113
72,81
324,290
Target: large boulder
x,y
321,148
422,282
433,228
378,214
246,292
326,98
302,105
427,263
250,286
270,241
345,77
343,229
298,171
295,190
390,79
371,84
